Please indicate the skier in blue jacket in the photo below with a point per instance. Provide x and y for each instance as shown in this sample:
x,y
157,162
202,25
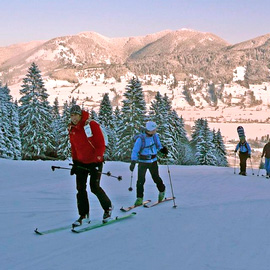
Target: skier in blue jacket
x,y
244,154
144,152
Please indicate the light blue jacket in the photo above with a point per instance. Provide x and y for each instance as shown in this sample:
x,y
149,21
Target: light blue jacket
x,y
243,147
149,152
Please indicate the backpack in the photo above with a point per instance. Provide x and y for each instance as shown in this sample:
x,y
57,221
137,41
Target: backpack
x,y
105,135
141,135
88,131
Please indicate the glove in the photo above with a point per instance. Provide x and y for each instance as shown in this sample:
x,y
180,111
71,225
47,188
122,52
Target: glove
x,y
249,156
74,168
235,151
132,165
164,150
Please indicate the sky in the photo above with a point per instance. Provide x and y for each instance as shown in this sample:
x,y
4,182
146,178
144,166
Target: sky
x,y
233,20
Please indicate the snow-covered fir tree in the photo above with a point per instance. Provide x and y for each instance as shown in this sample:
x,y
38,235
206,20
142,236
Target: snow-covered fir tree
x,y
15,131
182,152
196,129
133,119
63,151
35,116
56,125
205,149
6,150
161,112
117,117
220,149
94,115
106,119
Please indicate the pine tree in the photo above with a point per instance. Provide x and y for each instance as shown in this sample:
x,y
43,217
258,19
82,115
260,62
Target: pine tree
x,y
35,116
15,131
159,112
5,134
63,151
196,129
133,118
205,149
56,124
182,153
220,149
106,119
93,115
10,146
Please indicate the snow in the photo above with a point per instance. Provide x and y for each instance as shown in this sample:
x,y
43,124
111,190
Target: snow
x,y
221,222
239,74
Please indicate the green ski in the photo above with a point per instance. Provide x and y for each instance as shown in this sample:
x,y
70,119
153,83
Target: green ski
x,y
95,226
52,230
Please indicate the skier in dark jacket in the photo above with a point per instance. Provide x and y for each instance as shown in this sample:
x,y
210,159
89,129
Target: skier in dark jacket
x,y
266,153
87,149
244,154
145,153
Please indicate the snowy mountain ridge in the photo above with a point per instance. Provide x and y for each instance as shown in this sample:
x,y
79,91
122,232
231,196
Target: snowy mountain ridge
x,y
197,70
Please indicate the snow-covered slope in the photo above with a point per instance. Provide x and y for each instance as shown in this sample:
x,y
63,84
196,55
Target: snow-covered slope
x,y
221,222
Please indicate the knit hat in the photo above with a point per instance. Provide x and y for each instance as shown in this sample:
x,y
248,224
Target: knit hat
x,y
150,126
75,109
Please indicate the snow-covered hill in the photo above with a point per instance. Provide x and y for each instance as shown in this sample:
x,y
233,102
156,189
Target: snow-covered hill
x,y
221,222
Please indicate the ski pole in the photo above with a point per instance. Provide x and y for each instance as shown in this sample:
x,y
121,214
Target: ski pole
x,y
119,178
131,178
58,167
169,173
234,163
251,166
259,167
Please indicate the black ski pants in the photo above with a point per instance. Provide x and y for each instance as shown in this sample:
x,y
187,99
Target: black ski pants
x,y
243,156
95,170
153,168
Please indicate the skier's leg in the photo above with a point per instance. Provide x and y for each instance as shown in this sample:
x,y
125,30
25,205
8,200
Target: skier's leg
x,y
142,168
95,172
156,178
82,198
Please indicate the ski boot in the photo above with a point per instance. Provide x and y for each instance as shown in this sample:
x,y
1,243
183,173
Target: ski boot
x,y
107,215
138,202
161,196
80,220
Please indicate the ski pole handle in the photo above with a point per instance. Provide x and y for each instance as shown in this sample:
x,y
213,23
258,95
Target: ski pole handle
x,y
58,167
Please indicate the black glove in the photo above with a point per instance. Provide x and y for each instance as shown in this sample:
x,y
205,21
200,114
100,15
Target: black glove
x,y
164,150
74,168
235,151
249,156
132,165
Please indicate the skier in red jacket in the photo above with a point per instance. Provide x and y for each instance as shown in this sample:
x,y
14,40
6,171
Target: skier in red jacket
x,y
87,149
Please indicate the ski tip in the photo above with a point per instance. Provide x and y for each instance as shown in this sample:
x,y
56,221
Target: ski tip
x,y
37,232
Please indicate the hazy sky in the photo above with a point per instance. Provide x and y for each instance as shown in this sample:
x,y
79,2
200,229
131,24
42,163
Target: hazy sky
x,y
233,20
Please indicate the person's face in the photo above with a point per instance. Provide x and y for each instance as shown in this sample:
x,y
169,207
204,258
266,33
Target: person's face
x,y
151,133
75,118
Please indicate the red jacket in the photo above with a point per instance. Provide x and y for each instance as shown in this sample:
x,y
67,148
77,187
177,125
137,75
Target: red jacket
x,y
83,149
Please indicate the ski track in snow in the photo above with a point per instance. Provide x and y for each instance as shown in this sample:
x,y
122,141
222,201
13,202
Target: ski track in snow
x,y
221,222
